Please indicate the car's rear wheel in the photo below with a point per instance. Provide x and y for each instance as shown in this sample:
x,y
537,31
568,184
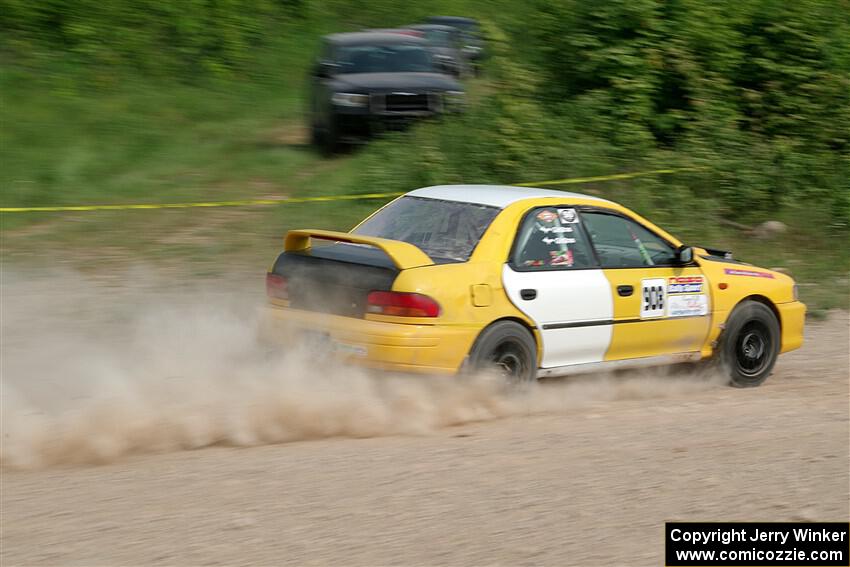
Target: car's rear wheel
x,y
507,349
750,344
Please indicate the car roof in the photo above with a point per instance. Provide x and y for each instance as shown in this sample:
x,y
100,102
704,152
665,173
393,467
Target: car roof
x,y
408,30
494,195
453,19
433,27
373,38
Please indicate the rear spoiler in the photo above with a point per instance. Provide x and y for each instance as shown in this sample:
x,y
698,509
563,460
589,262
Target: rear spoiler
x,y
402,254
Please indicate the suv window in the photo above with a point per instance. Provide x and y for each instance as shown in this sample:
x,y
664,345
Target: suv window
x,y
551,238
397,58
623,243
439,38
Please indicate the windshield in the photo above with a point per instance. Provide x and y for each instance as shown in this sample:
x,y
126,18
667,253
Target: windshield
x,y
446,231
439,38
385,59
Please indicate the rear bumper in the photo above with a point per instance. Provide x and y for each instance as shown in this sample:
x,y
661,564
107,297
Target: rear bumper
x,y
792,318
427,349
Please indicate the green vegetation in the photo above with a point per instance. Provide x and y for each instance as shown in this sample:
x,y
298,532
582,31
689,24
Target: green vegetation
x,y
143,101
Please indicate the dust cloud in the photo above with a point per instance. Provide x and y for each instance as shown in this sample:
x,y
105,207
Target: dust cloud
x,y
97,369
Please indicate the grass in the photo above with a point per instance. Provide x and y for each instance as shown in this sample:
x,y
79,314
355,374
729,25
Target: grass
x,y
151,143
142,145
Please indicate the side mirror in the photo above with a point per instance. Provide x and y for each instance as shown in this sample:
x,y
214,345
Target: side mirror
x,y
326,69
684,255
444,66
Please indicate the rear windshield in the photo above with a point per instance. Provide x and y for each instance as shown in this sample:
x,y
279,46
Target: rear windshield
x,y
447,231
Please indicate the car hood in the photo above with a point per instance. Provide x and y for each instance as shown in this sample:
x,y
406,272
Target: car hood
x,y
384,82
719,266
450,51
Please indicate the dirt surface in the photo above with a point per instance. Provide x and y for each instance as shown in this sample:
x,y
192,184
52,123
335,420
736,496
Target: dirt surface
x,y
570,484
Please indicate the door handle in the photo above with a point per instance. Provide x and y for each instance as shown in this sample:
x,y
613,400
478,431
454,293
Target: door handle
x,y
625,290
528,294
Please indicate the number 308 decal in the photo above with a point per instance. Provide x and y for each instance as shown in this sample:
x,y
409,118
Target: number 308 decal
x,y
653,298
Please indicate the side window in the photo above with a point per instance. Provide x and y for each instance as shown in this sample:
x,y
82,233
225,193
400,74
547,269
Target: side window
x,y
551,238
623,243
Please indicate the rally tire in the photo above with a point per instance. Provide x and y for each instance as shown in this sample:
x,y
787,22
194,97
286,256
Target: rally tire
x,y
508,349
316,138
750,344
330,141
324,137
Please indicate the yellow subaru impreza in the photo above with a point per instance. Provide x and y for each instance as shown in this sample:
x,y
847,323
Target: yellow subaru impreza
x,y
531,282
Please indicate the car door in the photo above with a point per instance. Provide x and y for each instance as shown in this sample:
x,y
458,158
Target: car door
x,y
552,276
660,308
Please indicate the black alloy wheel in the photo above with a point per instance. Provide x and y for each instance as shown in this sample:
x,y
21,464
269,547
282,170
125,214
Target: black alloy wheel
x,y
508,349
750,344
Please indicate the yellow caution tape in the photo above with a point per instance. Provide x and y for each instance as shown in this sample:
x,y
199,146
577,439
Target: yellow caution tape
x,y
241,203
614,177
326,198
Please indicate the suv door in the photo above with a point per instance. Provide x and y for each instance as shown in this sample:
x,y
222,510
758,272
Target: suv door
x,y
552,276
660,308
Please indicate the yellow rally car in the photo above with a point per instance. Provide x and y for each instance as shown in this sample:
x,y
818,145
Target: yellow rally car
x,y
532,282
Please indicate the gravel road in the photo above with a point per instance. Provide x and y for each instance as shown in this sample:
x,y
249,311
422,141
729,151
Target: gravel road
x,y
580,484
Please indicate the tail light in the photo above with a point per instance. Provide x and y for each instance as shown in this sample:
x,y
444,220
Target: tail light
x,y
401,304
277,287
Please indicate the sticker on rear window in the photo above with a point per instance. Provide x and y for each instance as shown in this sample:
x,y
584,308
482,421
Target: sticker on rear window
x,y
568,216
558,240
546,216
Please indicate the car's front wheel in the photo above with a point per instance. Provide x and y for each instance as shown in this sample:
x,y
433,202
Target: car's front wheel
x,y
330,140
324,135
316,138
750,344
507,349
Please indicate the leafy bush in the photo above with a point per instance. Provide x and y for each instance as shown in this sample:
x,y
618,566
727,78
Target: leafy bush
x,y
757,92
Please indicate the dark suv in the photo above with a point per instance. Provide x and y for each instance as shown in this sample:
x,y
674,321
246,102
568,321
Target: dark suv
x,y
473,45
447,46
366,82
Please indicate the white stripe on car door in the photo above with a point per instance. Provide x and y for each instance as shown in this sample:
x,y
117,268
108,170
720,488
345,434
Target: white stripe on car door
x,y
573,309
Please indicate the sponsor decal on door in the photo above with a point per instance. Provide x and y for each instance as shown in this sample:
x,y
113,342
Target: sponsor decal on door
x,y
676,296
685,297
684,284
687,305
653,298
